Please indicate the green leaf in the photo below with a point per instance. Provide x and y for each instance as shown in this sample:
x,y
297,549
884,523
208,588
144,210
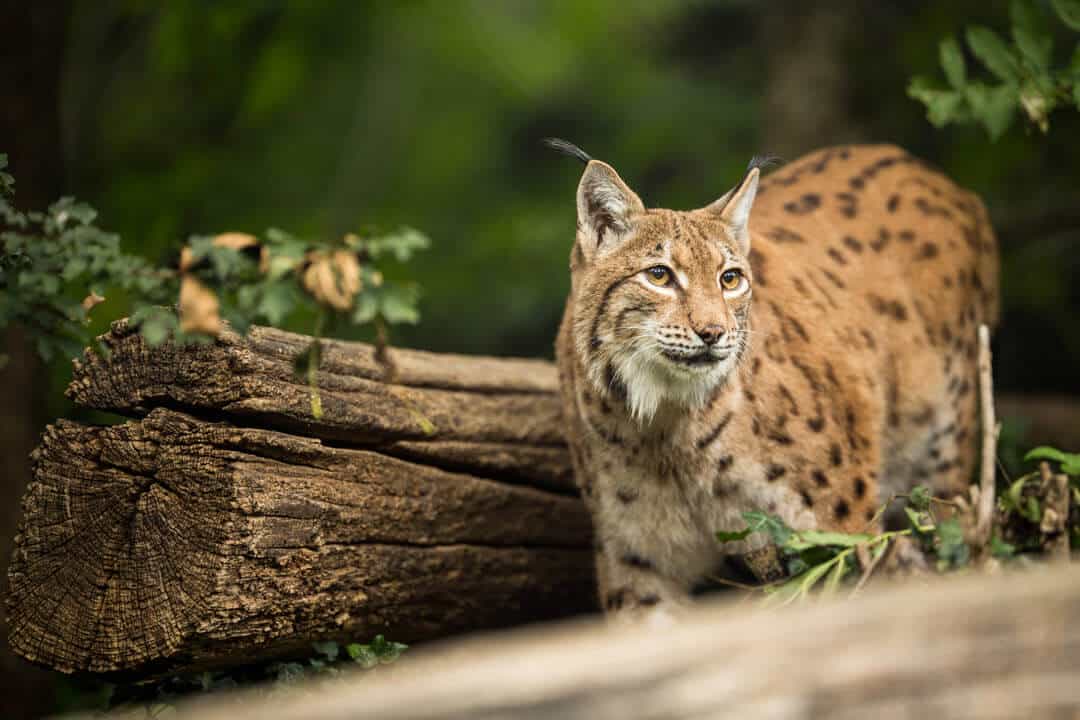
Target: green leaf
x,y
952,62
1013,497
734,536
327,648
808,579
777,530
993,106
805,539
952,551
1070,462
155,324
397,304
988,46
402,243
942,106
386,650
1001,549
919,524
1030,33
362,655
919,498
1068,11
837,575
365,309
277,301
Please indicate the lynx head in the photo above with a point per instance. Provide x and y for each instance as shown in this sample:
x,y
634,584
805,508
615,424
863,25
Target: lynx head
x,y
661,298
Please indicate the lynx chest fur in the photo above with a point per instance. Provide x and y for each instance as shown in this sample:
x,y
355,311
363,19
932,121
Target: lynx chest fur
x,y
804,345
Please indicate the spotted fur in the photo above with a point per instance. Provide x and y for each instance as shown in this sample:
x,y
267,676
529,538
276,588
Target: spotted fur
x,y
841,373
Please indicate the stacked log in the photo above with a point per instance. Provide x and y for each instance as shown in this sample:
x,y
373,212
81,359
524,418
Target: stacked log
x,y
227,524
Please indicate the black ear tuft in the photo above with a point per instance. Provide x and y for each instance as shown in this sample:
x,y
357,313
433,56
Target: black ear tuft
x,y
763,162
568,148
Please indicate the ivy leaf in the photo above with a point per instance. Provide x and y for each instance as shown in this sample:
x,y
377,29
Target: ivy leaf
x,y
952,62
1068,11
988,46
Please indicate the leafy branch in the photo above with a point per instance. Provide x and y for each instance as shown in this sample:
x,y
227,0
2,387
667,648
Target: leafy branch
x,y
57,265
1023,73
810,558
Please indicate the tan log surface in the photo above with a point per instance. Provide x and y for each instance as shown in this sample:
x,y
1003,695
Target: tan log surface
x,y
1006,646
229,525
425,397
173,543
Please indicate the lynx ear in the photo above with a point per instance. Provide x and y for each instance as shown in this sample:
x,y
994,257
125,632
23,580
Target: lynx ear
x,y
606,206
734,208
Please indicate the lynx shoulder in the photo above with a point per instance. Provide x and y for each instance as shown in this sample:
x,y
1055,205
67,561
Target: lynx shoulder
x,y
803,345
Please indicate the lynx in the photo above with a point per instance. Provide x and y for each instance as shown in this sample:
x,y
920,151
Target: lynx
x,y
805,345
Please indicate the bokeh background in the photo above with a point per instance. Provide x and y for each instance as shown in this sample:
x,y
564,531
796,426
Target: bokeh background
x,y
324,116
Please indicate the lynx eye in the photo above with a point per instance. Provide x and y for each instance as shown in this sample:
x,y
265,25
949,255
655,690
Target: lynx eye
x,y
659,275
731,279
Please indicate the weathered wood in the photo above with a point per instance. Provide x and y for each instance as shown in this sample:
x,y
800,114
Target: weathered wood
x,y
1004,646
425,396
173,543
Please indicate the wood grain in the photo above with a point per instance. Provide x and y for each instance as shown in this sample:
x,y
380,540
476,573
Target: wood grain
x,y
1003,646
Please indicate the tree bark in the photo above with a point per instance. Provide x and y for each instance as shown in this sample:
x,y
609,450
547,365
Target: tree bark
x,y
459,411
439,502
980,646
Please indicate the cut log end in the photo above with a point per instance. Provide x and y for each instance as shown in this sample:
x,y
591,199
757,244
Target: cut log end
x,y
176,544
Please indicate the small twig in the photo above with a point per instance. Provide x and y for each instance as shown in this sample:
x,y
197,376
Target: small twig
x,y
869,567
382,350
990,429
872,523
746,586
863,555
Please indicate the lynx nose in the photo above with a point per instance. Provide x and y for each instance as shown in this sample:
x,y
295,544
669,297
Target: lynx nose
x,y
710,334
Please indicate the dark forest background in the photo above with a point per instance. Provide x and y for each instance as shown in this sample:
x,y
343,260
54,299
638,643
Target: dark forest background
x,y
322,117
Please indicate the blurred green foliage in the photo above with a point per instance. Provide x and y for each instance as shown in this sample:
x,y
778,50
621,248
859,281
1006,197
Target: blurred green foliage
x,y
193,118
1025,77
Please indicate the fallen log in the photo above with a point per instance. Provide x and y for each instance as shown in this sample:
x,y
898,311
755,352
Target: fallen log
x,y
981,646
416,396
229,525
